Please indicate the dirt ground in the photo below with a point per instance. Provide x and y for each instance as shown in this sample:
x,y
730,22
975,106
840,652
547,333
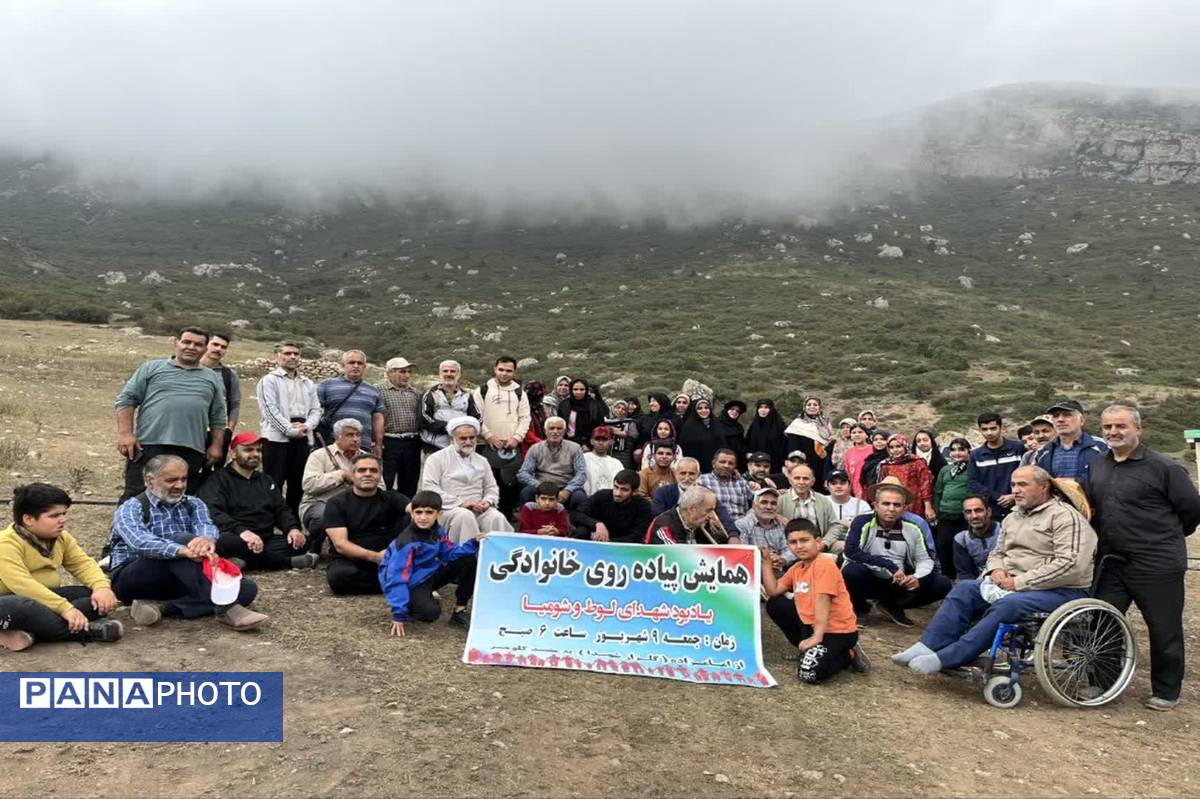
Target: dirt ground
x,y
367,715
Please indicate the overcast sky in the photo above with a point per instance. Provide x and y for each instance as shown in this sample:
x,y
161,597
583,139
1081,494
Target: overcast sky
x,y
630,103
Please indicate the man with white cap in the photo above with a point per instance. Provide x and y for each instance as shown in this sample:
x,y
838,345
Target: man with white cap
x,y
401,423
466,484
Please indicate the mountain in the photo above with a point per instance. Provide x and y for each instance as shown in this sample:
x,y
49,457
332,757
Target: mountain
x,y
990,301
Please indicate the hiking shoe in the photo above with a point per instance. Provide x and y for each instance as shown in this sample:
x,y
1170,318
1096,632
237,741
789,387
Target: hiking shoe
x,y
859,662
308,560
1158,703
145,613
242,618
105,631
241,564
897,615
15,640
461,617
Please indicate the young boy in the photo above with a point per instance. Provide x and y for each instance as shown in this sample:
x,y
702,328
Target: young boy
x,y
421,560
34,604
545,516
821,622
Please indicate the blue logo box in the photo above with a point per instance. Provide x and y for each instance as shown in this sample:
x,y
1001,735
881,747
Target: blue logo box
x,y
142,706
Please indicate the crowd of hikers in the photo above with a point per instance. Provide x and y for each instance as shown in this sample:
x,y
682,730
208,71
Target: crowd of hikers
x,y
391,487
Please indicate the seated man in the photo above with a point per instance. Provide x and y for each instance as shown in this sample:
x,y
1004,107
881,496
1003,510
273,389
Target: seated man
x,y
258,530
160,540
758,472
801,502
661,471
1042,559
361,524
687,474
601,467
421,560
973,546
328,473
724,480
558,460
34,604
846,508
692,521
762,527
545,515
887,559
466,483
617,513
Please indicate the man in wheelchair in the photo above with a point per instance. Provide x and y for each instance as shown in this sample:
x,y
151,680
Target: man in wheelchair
x,y
1042,559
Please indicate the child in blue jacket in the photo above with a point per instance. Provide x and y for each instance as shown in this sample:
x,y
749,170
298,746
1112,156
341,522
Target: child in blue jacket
x,y
421,560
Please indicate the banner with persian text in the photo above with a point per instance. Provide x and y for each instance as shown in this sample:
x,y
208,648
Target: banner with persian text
x,y
679,612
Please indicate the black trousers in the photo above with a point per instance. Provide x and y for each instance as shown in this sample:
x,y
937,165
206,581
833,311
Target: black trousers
x,y
277,553
134,484
421,604
402,464
947,528
23,613
283,462
864,585
820,662
314,527
1160,599
348,576
178,583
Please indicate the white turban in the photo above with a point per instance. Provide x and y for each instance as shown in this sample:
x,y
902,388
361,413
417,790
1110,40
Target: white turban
x,y
462,421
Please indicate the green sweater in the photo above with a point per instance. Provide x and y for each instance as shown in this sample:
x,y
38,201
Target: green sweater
x,y
948,494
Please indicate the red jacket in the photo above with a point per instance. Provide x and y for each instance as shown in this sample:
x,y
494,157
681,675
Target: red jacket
x,y
534,518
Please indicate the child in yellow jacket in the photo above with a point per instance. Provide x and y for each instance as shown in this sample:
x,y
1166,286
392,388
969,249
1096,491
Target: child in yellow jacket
x,y
34,605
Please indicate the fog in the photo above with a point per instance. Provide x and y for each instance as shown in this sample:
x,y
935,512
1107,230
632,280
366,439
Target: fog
x,y
630,107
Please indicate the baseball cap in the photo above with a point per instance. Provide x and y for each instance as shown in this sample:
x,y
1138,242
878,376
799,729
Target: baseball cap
x,y
603,431
759,457
397,363
1045,418
837,474
767,490
798,455
245,437
1066,405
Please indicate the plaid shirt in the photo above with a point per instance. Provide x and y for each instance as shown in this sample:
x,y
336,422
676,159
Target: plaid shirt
x,y
403,409
734,493
171,526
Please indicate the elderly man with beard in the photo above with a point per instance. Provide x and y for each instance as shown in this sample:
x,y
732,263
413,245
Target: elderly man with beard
x,y
160,541
692,521
362,523
442,402
466,483
687,474
258,529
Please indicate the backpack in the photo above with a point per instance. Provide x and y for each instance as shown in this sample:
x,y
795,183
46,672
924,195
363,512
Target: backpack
x,y
483,390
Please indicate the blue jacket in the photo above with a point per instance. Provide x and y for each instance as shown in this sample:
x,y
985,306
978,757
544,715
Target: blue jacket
x,y
1090,449
990,472
414,557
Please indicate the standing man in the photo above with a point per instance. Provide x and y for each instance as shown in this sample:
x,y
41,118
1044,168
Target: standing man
x,y
178,400
505,417
401,428
1145,505
348,397
443,402
1043,434
290,412
1073,452
213,357
992,465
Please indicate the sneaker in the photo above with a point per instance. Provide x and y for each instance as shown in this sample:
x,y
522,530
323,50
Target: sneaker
x,y
241,564
859,662
104,563
242,618
308,560
897,615
145,613
1158,703
105,631
461,617
15,640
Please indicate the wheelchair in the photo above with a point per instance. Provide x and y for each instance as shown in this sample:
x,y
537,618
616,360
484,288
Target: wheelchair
x,y
1083,652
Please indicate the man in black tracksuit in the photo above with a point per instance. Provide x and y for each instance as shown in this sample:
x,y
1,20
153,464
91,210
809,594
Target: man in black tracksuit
x,y
1144,505
615,514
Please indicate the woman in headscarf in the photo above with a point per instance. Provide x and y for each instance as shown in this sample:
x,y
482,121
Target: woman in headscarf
x,y
535,391
663,430
856,458
949,490
582,413
837,458
924,444
699,438
730,432
562,390
658,406
766,433
870,470
913,473
812,434
633,409
680,406
625,434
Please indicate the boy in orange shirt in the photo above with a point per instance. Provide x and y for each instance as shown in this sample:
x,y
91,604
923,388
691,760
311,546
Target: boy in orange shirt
x,y
821,621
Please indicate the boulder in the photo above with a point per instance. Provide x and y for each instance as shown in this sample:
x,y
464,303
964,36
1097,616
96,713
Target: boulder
x,y
890,251
695,388
1075,249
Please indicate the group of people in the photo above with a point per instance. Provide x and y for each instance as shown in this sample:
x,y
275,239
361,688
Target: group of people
x,y
397,485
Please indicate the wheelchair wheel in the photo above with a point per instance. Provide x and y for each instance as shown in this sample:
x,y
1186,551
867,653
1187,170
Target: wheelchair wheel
x,y
1002,692
1085,653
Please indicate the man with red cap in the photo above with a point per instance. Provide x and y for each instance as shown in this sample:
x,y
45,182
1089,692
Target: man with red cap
x,y
257,527
601,466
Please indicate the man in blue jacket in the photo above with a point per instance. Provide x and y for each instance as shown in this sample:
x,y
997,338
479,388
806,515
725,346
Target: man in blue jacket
x,y
1070,454
992,465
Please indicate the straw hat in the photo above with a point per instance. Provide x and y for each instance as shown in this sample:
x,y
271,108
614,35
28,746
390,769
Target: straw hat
x,y
1071,492
892,482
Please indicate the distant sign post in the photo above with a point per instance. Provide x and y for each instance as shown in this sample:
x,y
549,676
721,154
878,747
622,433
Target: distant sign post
x,y
1192,437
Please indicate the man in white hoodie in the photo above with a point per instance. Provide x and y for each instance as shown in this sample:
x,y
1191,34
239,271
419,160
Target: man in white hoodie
x,y
504,423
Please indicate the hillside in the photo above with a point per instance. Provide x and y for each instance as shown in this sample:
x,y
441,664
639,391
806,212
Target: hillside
x,y
985,308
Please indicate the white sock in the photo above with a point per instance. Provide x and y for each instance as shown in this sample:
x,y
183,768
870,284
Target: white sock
x,y
914,651
926,664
